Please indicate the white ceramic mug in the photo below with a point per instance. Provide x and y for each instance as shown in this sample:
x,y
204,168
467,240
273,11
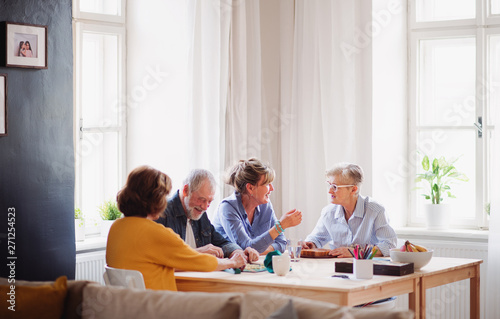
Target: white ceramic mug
x,y
363,268
281,264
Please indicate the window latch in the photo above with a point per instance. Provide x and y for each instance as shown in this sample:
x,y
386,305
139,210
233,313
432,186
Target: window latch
x,y
80,131
479,126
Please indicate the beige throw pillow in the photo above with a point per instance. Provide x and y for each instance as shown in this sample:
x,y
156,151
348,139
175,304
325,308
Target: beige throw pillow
x,y
40,301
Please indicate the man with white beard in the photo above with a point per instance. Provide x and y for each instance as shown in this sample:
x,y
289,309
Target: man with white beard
x,y
186,215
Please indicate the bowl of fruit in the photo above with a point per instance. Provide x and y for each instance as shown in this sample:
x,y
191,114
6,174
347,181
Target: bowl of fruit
x,y
411,253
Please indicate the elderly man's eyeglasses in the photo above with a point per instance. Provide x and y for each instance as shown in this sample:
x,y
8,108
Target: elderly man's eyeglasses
x,y
335,187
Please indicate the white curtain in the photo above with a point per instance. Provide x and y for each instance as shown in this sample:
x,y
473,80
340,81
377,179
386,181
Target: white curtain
x,y
228,118
273,79
208,63
252,119
252,78
244,108
322,93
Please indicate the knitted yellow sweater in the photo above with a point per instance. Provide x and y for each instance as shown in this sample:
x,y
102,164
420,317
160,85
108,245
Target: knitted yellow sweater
x,y
141,244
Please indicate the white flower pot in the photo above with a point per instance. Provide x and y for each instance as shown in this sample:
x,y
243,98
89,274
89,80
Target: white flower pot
x,y
105,226
79,230
437,216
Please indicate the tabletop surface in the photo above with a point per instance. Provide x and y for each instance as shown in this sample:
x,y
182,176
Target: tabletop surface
x,y
317,274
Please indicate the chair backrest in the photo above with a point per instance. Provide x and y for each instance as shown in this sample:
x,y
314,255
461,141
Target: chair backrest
x,y
123,278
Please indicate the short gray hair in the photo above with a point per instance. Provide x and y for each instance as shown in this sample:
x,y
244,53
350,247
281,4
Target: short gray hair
x,y
348,172
197,177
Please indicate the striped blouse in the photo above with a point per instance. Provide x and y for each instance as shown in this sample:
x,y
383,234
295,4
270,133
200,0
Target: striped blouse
x,y
367,225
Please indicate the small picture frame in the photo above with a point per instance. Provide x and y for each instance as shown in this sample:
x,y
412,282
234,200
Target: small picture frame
x,y
25,45
3,104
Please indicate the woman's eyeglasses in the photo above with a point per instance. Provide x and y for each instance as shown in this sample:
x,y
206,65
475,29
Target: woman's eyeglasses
x,y
335,187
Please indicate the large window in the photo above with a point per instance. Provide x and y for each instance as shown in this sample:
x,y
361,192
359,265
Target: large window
x,y
454,92
99,37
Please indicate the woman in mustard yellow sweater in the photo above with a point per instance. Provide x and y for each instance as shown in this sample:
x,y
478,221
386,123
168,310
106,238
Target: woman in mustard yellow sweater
x,y
137,242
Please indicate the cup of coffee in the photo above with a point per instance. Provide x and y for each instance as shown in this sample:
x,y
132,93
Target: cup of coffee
x,y
281,264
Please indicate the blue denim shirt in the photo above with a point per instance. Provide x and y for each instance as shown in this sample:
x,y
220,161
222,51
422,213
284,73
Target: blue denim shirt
x,y
204,232
232,222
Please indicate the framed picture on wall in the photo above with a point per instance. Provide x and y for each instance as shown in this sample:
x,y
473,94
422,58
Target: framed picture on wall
x,y
25,45
3,104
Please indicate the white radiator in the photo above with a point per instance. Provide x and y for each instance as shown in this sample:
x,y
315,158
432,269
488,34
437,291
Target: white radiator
x,y
90,266
452,301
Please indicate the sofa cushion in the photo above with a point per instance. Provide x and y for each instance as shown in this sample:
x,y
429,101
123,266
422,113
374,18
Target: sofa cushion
x,y
285,312
260,305
39,301
103,302
74,299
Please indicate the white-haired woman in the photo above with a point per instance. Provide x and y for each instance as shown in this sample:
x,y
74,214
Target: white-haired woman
x,y
351,219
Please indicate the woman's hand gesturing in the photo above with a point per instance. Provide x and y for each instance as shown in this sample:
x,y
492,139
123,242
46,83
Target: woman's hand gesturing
x,y
291,219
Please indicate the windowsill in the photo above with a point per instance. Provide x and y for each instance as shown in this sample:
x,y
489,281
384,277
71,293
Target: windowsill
x,y
91,244
447,234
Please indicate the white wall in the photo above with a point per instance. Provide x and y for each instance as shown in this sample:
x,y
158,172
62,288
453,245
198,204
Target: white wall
x,y
157,52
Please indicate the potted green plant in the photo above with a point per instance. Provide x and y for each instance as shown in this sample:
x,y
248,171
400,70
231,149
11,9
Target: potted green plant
x,y
79,225
439,174
109,213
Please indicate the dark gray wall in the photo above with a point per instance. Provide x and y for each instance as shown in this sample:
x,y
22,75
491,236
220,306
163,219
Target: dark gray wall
x,y
36,158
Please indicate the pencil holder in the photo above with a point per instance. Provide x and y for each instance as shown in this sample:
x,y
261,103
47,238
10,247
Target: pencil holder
x,y
363,268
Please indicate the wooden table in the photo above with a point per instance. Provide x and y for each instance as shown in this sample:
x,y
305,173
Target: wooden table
x,y
312,278
441,271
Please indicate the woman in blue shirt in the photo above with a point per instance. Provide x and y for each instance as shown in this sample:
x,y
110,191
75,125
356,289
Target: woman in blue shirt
x,y
351,218
247,217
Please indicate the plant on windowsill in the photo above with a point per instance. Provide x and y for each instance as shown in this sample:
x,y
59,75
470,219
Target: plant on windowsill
x,y
439,175
109,213
79,225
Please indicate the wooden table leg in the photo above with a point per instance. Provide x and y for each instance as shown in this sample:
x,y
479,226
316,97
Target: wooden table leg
x,y
475,302
423,290
414,298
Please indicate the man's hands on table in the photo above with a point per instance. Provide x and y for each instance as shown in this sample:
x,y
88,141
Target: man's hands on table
x,y
237,259
249,254
212,250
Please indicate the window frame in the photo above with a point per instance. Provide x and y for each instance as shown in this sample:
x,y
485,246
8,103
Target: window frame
x,y
492,30
490,19
81,26
481,27
120,18
414,25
